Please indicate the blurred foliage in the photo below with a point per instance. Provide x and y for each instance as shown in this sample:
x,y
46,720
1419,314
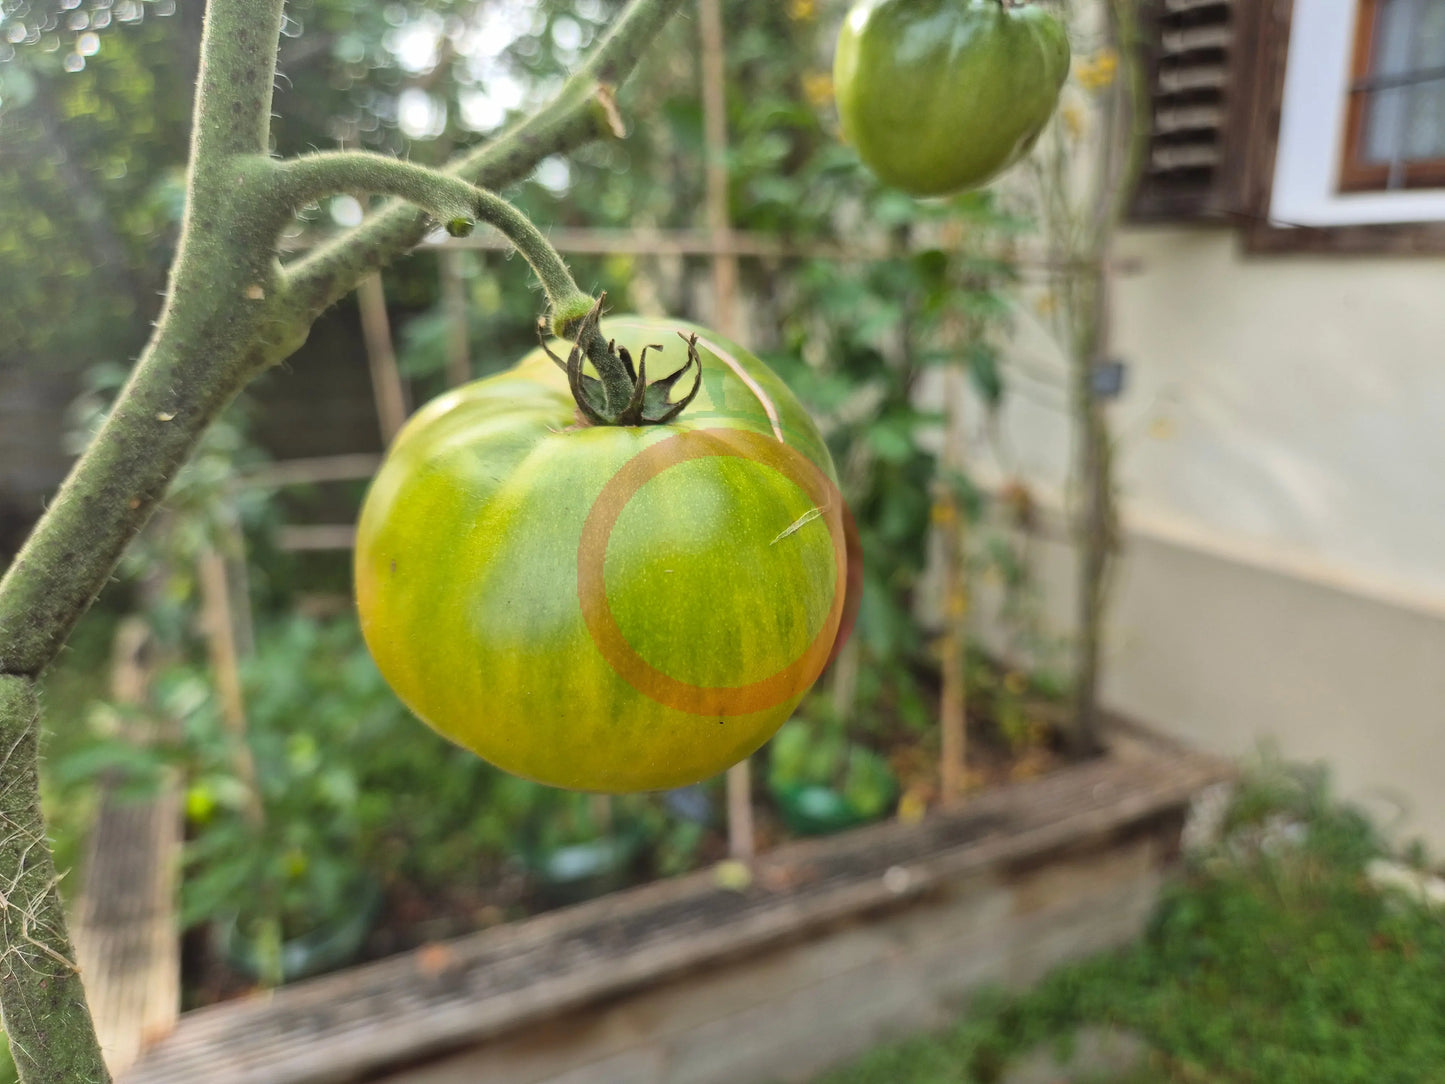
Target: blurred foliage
x,y
70,689
353,796
1276,961
91,195
205,510
823,782
95,102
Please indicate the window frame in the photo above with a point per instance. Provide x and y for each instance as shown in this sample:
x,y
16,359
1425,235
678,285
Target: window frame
x,y
1356,174
1265,25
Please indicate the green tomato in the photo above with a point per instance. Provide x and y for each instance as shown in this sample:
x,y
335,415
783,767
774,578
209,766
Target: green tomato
x,y
938,96
606,608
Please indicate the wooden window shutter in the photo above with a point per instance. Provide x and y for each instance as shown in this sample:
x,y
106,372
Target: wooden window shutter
x,y
1199,57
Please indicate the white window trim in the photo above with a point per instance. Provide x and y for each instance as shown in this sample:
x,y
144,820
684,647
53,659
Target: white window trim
x,y
1312,131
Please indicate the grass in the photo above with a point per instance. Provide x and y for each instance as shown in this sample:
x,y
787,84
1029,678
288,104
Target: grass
x,y
1273,961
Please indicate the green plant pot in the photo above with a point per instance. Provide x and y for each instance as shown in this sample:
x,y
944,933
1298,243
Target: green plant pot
x,y
579,871
322,949
847,786
810,809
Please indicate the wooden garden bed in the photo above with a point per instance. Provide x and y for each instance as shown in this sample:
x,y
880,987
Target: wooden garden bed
x,y
834,943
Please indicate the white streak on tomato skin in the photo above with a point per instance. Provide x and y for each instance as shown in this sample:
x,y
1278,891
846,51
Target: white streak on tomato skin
x,y
746,377
797,524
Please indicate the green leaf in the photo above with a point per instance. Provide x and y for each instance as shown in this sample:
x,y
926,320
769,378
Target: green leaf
x,y
984,372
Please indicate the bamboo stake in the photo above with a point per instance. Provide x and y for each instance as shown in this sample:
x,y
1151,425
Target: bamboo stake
x,y
950,523
714,114
741,843
238,586
454,298
219,627
744,244
386,383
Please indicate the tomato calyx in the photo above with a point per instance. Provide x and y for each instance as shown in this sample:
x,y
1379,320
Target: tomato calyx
x,y
620,394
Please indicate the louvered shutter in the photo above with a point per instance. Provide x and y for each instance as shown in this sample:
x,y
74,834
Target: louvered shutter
x,y
1198,55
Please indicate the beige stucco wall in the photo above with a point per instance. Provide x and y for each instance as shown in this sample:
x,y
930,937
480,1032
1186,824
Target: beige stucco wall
x,y
1282,473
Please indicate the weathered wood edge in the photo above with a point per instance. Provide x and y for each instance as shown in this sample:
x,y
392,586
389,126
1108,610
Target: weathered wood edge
x,y
125,924
343,1026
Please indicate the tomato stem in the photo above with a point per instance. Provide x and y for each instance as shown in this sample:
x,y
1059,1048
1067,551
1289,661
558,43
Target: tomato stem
x,y
620,394
456,203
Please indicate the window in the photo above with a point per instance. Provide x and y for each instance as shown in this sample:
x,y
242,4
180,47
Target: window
x,y
1311,125
1395,120
1358,150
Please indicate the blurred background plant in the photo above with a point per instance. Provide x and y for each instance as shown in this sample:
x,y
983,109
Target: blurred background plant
x,y
336,813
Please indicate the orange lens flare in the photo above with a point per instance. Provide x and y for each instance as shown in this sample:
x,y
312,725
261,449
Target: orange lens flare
x,y
776,688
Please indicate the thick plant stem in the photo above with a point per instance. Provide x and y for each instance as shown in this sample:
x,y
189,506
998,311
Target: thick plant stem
x,y
41,997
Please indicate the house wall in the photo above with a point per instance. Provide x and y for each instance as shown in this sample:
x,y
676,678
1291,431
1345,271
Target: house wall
x,y
1281,467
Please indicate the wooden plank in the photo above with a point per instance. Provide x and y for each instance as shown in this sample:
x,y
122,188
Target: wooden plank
x,y
1176,7
810,1004
125,919
320,536
125,928
1197,118
444,996
1192,77
1189,157
387,386
312,470
693,242
1195,39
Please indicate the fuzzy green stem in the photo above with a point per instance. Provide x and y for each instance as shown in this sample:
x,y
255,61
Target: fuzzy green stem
x,y
582,111
445,198
234,80
41,997
313,177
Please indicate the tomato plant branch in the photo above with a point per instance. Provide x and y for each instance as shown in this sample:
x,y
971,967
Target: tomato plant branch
x,y
448,199
583,110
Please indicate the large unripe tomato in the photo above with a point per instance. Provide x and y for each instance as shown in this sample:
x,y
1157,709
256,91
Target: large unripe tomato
x,y
609,608
942,95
